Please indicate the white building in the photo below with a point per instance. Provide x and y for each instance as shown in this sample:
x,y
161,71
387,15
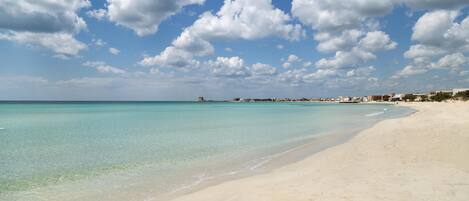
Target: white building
x,y
455,91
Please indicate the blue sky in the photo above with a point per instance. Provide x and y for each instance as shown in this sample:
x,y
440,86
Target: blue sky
x,y
181,49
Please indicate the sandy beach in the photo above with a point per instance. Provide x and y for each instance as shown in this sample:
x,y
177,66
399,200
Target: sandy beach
x,y
424,156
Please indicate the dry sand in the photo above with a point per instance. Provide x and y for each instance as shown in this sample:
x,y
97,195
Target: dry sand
x,y
424,156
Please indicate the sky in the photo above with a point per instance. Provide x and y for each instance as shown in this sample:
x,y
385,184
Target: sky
x,y
182,49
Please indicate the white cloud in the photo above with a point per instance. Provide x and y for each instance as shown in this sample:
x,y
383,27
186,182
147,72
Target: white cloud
x,y
330,43
419,50
62,44
348,29
361,72
279,46
98,42
430,29
409,70
451,61
377,40
330,16
144,16
102,67
172,57
44,16
441,43
228,67
47,24
99,14
114,51
260,69
320,74
345,59
294,76
293,58
238,19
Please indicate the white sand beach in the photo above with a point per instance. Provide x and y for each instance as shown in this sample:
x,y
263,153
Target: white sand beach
x,y
424,156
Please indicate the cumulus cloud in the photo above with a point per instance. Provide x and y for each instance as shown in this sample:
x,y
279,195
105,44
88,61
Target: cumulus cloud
x,y
409,70
172,57
46,24
98,42
451,61
330,16
260,69
377,40
64,45
345,59
102,67
291,60
98,14
348,29
441,41
238,19
346,40
294,76
114,51
228,67
361,72
44,16
142,16
432,26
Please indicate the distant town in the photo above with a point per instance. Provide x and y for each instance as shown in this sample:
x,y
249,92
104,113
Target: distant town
x,y
442,95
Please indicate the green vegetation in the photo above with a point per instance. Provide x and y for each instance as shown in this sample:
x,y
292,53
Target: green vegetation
x,y
409,97
464,95
441,97
423,98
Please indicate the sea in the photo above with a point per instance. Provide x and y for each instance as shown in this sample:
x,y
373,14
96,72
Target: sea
x,y
159,150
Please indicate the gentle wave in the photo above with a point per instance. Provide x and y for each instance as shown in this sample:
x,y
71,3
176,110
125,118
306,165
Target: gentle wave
x,y
375,113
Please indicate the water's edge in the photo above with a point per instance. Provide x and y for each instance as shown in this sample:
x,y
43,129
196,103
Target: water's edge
x,y
301,132
300,152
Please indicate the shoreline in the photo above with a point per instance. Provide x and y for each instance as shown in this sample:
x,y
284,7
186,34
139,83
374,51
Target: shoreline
x,y
296,153
287,182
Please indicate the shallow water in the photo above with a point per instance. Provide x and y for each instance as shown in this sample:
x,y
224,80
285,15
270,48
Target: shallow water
x,y
141,150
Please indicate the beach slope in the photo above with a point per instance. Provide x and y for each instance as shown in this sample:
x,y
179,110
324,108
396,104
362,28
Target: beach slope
x,y
424,156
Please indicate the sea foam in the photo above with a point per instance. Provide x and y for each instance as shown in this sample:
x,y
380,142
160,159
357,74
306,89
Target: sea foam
x,y
374,114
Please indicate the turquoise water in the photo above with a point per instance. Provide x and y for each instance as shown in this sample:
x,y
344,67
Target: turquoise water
x,y
145,149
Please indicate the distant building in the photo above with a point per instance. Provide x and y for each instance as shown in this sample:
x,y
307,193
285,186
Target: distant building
x,y
375,98
365,99
455,91
421,97
397,97
200,99
344,99
386,97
